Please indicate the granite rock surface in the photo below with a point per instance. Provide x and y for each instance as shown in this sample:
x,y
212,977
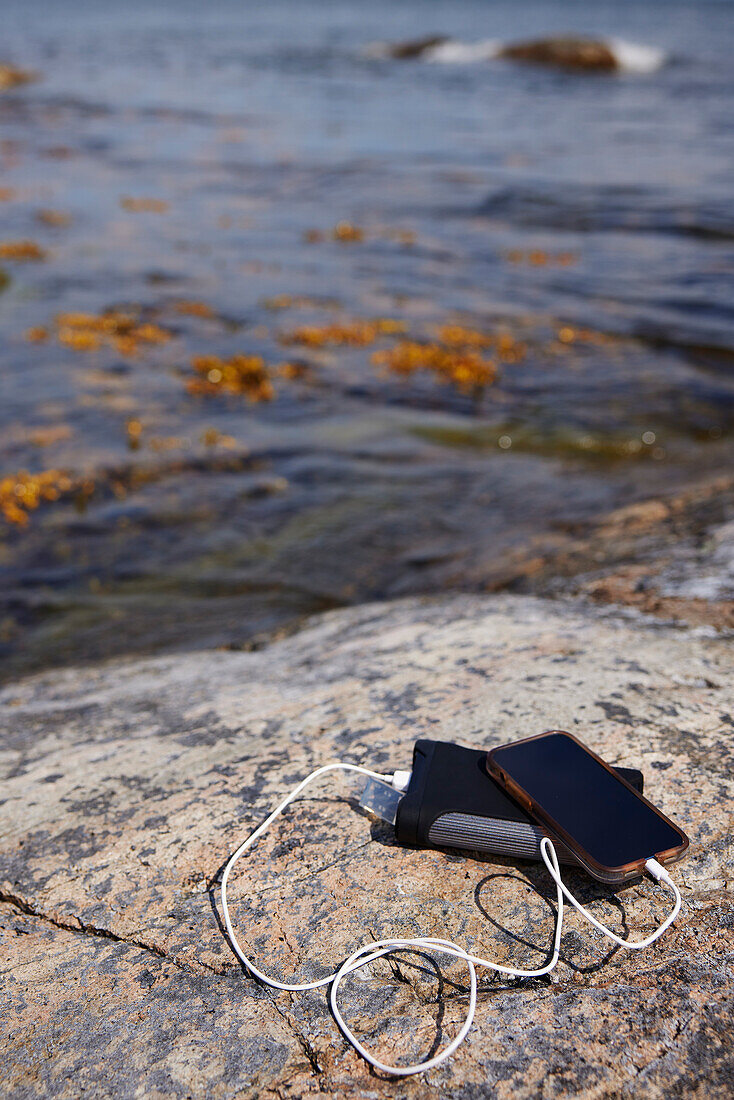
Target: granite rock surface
x,y
126,786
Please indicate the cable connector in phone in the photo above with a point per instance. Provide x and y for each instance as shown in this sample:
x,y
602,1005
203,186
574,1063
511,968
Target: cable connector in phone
x,y
658,872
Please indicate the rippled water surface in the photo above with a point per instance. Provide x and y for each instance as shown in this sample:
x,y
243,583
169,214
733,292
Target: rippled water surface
x,y
185,165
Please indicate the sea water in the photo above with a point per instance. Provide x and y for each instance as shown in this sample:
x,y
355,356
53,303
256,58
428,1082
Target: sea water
x,y
179,153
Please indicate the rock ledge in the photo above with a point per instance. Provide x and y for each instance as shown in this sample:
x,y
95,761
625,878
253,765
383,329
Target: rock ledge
x,y
127,785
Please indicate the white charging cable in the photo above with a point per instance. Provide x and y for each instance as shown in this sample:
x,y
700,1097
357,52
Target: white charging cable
x,y
369,952
658,872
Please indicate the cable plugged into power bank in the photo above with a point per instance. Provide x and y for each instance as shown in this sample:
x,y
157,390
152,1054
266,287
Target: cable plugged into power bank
x,y
370,952
400,780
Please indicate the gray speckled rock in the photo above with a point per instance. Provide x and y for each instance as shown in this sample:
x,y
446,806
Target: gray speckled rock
x,y
126,786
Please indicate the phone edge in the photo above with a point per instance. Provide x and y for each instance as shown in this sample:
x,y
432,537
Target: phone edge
x,y
609,875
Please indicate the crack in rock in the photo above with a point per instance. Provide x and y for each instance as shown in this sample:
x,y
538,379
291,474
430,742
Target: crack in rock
x,y
80,928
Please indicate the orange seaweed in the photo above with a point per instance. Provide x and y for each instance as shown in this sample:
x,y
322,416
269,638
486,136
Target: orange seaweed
x,y
347,233
116,328
506,347
36,334
57,219
22,493
242,374
538,257
465,368
134,430
459,337
212,437
354,333
344,232
144,206
194,309
21,251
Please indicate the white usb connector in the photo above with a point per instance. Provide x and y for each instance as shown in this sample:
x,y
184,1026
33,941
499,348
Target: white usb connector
x,y
658,872
400,780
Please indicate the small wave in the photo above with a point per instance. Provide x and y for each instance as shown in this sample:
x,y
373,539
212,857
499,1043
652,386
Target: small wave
x,y
453,52
583,208
633,57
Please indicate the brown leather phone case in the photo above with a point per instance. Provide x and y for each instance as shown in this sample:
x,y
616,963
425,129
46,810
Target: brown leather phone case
x,y
554,829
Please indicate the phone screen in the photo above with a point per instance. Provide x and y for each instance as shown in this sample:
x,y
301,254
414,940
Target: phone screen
x,y
607,819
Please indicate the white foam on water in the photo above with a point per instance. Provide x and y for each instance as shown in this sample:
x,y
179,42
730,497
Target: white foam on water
x,y
463,53
636,58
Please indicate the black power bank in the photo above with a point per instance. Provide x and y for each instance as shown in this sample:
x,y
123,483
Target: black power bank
x,y
452,802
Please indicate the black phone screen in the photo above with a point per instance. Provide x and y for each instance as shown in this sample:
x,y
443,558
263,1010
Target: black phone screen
x,y
606,818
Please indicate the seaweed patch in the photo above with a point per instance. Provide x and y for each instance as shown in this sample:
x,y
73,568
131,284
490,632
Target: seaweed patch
x,y
538,257
120,329
242,374
23,492
21,251
353,333
464,368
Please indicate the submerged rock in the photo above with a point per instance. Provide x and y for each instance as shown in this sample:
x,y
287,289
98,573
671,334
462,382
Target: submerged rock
x,y
127,785
566,52
414,47
11,76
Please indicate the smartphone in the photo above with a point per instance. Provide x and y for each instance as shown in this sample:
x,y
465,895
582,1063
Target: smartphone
x,y
610,828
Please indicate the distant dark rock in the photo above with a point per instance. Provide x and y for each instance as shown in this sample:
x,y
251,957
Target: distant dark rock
x,y
415,47
565,52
